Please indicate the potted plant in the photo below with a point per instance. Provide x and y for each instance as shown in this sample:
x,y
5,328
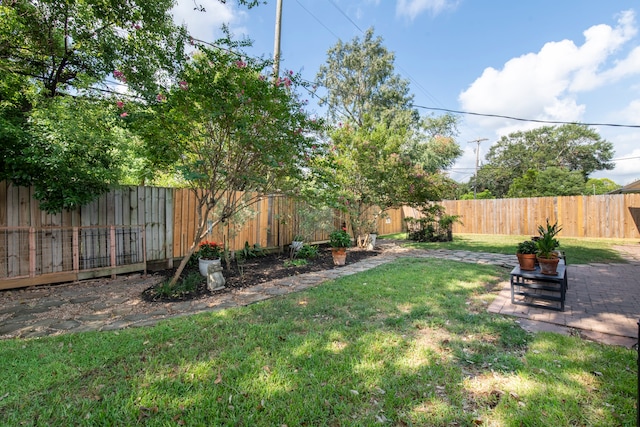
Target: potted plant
x,y
526,253
208,253
339,241
547,244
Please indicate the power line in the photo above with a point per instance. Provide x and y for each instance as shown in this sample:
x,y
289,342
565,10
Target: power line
x,y
411,79
345,15
625,158
557,122
414,81
319,21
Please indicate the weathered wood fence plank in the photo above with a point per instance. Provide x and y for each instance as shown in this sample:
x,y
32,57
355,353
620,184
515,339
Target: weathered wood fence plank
x,y
603,216
168,219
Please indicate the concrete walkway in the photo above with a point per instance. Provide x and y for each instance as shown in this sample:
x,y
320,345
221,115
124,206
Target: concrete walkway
x,y
602,304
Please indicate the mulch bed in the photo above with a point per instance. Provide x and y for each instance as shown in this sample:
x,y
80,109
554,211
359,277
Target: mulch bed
x,y
258,270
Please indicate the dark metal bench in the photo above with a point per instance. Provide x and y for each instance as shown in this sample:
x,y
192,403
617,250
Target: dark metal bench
x,y
532,288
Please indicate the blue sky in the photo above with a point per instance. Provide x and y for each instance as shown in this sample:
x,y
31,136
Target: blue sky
x,y
565,60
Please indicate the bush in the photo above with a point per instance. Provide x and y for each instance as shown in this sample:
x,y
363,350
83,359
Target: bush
x,y
183,287
340,239
308,252
295,262
434,226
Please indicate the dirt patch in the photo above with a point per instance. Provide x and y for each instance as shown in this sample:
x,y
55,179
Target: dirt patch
x,y
258,270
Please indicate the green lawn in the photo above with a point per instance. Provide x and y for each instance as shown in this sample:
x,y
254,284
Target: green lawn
x,y
578,250
405,344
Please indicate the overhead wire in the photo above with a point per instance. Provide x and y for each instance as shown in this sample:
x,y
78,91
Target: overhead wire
x,y
500,116
317,19
448,110
404,71
345,15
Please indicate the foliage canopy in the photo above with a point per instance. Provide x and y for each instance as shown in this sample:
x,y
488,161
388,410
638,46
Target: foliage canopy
x,y
233,133
568,148
58,60
383,154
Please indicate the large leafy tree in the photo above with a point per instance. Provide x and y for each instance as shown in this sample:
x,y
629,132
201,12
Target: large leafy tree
x,y
60,57
361,81
73,45
374,170
570,147
233,133
384,155
78,154
552,181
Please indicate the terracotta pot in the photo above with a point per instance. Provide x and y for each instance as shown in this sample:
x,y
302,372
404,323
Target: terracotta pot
x,y
527,261
339,255
549,266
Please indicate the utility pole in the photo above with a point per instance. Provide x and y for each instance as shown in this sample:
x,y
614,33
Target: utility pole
x,y
276,43
475,176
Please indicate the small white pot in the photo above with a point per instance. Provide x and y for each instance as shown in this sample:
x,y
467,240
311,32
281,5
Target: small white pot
x,y
203,265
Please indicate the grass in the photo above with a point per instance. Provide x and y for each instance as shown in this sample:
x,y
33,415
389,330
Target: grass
x,y
408,343
578,250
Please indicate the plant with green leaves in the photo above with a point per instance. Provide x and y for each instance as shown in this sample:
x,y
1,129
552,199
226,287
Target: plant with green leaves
x,y
435,225
528,247
209,250
250,251
552,181
308,252
58,130
340,239
295,262
547,243
569,147
383,154
234,134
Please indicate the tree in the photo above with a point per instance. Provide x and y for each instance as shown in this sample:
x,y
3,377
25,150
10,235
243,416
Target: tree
x,y
361,81
234,134
573,147
600,186
483,195
79,50
374,169
75,151
552,181
383,154
72,45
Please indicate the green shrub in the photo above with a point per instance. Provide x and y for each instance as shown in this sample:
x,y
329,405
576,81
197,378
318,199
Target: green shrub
x,y
308,252
295,262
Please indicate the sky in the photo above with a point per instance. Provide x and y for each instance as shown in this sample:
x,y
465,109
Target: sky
x,y
568,60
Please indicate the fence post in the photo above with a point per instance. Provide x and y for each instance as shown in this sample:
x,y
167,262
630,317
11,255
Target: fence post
x,y
143,234
32,252
75,249
112,250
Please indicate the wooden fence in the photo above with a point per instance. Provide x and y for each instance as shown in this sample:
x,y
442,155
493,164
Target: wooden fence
x,y
157,226
33,256
163,218
605,216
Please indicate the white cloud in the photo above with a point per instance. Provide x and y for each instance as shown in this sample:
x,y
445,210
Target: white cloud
x,y
545,85
631,113
205,25
412,8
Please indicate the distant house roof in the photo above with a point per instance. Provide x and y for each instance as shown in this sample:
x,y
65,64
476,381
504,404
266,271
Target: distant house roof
x,y
634,187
